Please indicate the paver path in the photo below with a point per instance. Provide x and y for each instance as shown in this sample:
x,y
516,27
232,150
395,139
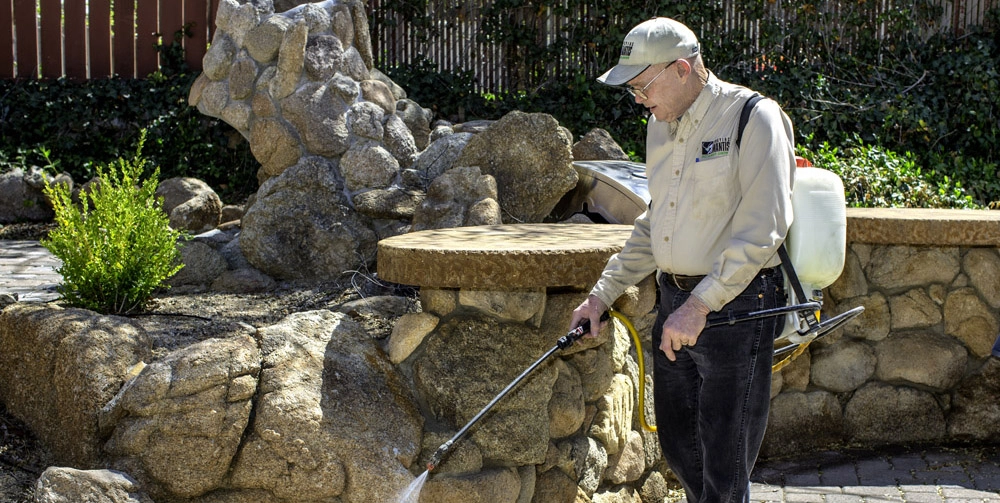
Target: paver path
x,y
931,475
28,270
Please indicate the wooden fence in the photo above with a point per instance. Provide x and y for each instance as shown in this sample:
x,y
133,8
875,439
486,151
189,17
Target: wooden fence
x,y
451,41
82,39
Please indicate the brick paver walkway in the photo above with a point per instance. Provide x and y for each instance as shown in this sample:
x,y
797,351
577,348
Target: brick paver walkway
x,y
928,475
28,270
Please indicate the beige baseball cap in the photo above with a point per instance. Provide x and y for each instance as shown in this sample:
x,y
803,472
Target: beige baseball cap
x,y
658,40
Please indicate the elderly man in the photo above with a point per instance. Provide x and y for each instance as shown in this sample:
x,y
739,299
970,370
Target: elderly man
x,y
717,216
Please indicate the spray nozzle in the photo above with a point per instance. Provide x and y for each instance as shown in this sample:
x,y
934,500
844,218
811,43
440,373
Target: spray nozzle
x,y
438,455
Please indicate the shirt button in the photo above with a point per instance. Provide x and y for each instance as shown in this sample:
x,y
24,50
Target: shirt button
x,y
680,140
671,204
666,239
678,172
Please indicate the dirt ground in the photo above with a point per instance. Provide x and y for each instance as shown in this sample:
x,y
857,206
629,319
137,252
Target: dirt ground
x,y
22,460
177,319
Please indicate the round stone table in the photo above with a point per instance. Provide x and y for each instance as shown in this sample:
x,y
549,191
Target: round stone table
x,y
492,300
501,257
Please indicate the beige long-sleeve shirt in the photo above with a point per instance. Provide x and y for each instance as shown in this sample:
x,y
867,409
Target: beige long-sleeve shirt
x,y
716,210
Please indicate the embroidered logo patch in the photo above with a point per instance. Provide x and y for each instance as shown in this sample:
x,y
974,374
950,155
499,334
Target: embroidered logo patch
x,y
626,49
715,148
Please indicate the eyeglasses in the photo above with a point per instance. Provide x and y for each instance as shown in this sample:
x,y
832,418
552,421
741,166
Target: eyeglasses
x,y
641,93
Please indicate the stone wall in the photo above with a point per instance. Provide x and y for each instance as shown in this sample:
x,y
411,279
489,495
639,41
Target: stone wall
x,y
571,427
916,365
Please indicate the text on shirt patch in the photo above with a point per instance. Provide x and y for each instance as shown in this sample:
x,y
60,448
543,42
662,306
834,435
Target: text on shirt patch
x,y
718,147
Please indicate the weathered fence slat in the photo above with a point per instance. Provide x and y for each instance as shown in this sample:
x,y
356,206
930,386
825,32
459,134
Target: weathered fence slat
x,y
453,44
26,33
171,19
123,39
75,36
197,29
99,37
213,9
6,39
196,13
147,19
51,38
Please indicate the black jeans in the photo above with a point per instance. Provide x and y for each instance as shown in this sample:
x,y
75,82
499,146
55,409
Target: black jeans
x,y
712,403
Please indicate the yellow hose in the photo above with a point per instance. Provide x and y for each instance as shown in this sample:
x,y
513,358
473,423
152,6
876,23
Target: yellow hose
x,y
795,354
788,359
642,368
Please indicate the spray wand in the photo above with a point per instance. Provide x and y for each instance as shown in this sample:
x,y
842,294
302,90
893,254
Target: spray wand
x,y
563,343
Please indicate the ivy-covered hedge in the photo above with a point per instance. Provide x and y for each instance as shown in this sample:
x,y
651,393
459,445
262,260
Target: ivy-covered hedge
x,y
889,81
76,126
850,83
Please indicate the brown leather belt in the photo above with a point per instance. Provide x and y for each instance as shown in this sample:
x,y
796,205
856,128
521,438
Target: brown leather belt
x,y
683,283
688,283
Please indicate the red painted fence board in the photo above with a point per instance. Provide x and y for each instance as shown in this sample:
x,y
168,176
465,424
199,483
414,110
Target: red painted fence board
x,y
213,9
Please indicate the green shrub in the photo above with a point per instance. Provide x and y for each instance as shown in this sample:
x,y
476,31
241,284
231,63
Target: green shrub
x,y
117,246
875,177
980,177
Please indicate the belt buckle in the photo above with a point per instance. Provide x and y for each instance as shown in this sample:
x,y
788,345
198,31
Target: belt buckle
x,y
673,277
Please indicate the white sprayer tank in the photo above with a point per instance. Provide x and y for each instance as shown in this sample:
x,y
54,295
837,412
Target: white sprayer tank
x,y
817,239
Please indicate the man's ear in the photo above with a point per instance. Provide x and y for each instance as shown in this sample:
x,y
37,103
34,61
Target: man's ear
x,y
684,68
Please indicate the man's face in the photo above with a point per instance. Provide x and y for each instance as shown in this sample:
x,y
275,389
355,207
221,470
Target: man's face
x,y
658,88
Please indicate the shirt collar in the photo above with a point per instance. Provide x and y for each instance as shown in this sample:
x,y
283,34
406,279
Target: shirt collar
x,y
699,108
697,111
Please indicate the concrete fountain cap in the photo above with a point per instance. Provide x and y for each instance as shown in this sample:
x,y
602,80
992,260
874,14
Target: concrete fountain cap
x,y
501,257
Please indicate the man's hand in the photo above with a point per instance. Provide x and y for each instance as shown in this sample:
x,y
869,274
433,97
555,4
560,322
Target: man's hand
x,y
683,326
591,309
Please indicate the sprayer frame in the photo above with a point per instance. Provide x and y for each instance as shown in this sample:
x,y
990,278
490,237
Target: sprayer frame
x,y
815,327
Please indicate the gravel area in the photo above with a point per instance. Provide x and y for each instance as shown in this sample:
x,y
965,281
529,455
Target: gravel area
x,y
22,460
25,231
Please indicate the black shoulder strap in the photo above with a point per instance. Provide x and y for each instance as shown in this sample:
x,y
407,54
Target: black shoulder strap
x,y
745,116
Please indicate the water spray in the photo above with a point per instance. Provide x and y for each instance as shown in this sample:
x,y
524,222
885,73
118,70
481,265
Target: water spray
x,y
563,343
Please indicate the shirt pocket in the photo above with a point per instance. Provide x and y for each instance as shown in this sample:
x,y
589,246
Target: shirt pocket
x,y
714,188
